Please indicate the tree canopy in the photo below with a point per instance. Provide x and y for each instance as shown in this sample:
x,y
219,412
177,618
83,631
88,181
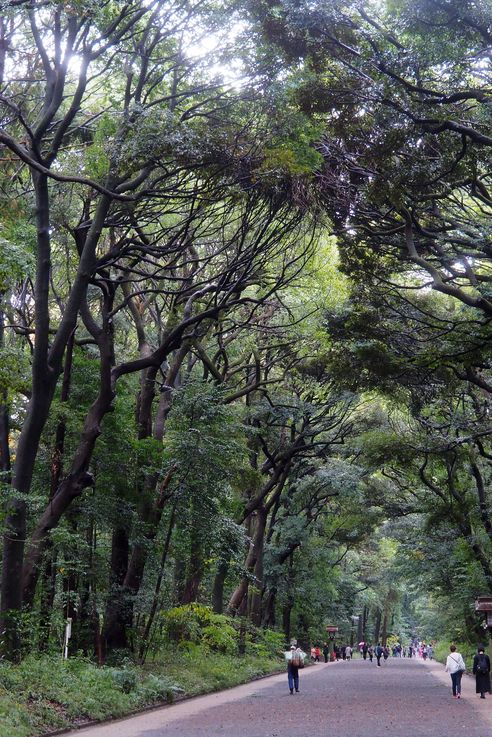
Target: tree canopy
x,y
244,316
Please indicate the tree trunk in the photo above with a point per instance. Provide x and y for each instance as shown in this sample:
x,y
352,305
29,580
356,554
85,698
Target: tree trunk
x,y
4,413
116,616
218,587
155,601
78,477
150,512
195,572
269,619
377,626
365,617
237,600
45,372
48,575
384,631
360,628
289,603
256,598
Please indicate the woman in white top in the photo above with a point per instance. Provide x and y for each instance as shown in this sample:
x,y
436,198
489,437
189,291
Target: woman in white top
x,y
455,666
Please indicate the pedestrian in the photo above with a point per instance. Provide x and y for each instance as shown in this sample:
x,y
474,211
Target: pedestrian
x,y
326,651
430,652
364,650
386,652
378,651
370,652
295,661
455,666
348,652
481,669
317,654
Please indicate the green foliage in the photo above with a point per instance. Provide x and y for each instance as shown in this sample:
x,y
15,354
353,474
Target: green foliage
x,y
48,693
198,624
265,643
16,258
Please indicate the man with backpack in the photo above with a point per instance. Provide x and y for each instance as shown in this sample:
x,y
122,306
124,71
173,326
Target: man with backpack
x,y
295,660
481,669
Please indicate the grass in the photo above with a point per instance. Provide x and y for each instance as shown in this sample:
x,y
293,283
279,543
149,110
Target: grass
x,y
46,693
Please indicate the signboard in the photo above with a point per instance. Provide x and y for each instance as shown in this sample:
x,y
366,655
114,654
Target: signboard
x,y
483,604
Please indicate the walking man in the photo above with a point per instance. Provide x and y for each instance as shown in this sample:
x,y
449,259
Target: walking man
x,y
379,651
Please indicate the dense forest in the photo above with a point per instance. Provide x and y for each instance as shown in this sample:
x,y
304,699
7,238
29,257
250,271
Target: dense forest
x,y
245,307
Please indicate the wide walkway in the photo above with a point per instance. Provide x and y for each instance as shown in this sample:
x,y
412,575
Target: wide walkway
x,y
403,698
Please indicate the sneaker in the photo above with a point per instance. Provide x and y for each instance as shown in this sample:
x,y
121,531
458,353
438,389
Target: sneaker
x,y
292,690
458,696
297,690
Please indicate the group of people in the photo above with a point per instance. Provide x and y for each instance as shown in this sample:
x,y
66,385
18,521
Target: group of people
x,y
455,666
343,652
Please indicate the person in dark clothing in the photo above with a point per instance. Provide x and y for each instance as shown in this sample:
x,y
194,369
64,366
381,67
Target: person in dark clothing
x,y
378,651
326,651
481,669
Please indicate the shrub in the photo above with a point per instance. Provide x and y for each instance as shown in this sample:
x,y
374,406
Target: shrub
x,y
195,623
124,679
158,688
222,639
265,643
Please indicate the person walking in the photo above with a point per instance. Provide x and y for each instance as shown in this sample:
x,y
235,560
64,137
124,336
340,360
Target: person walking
x,y
295,660
378,651
481,669
455,666
326,651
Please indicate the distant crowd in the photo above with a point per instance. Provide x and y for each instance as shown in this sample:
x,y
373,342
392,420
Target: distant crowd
x,y
416,649
295,657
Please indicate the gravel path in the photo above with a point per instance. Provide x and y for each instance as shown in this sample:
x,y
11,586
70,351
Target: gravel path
x,y
403,698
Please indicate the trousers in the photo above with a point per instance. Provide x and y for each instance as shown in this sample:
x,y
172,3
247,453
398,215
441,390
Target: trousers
x,y
456,682
293,678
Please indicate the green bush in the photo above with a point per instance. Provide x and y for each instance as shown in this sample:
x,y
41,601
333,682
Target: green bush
x,y
265,643
159,688
221,638
186,622
125,679
197,624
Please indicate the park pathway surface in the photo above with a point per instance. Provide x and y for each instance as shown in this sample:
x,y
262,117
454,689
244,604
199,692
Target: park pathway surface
x,y
403,698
